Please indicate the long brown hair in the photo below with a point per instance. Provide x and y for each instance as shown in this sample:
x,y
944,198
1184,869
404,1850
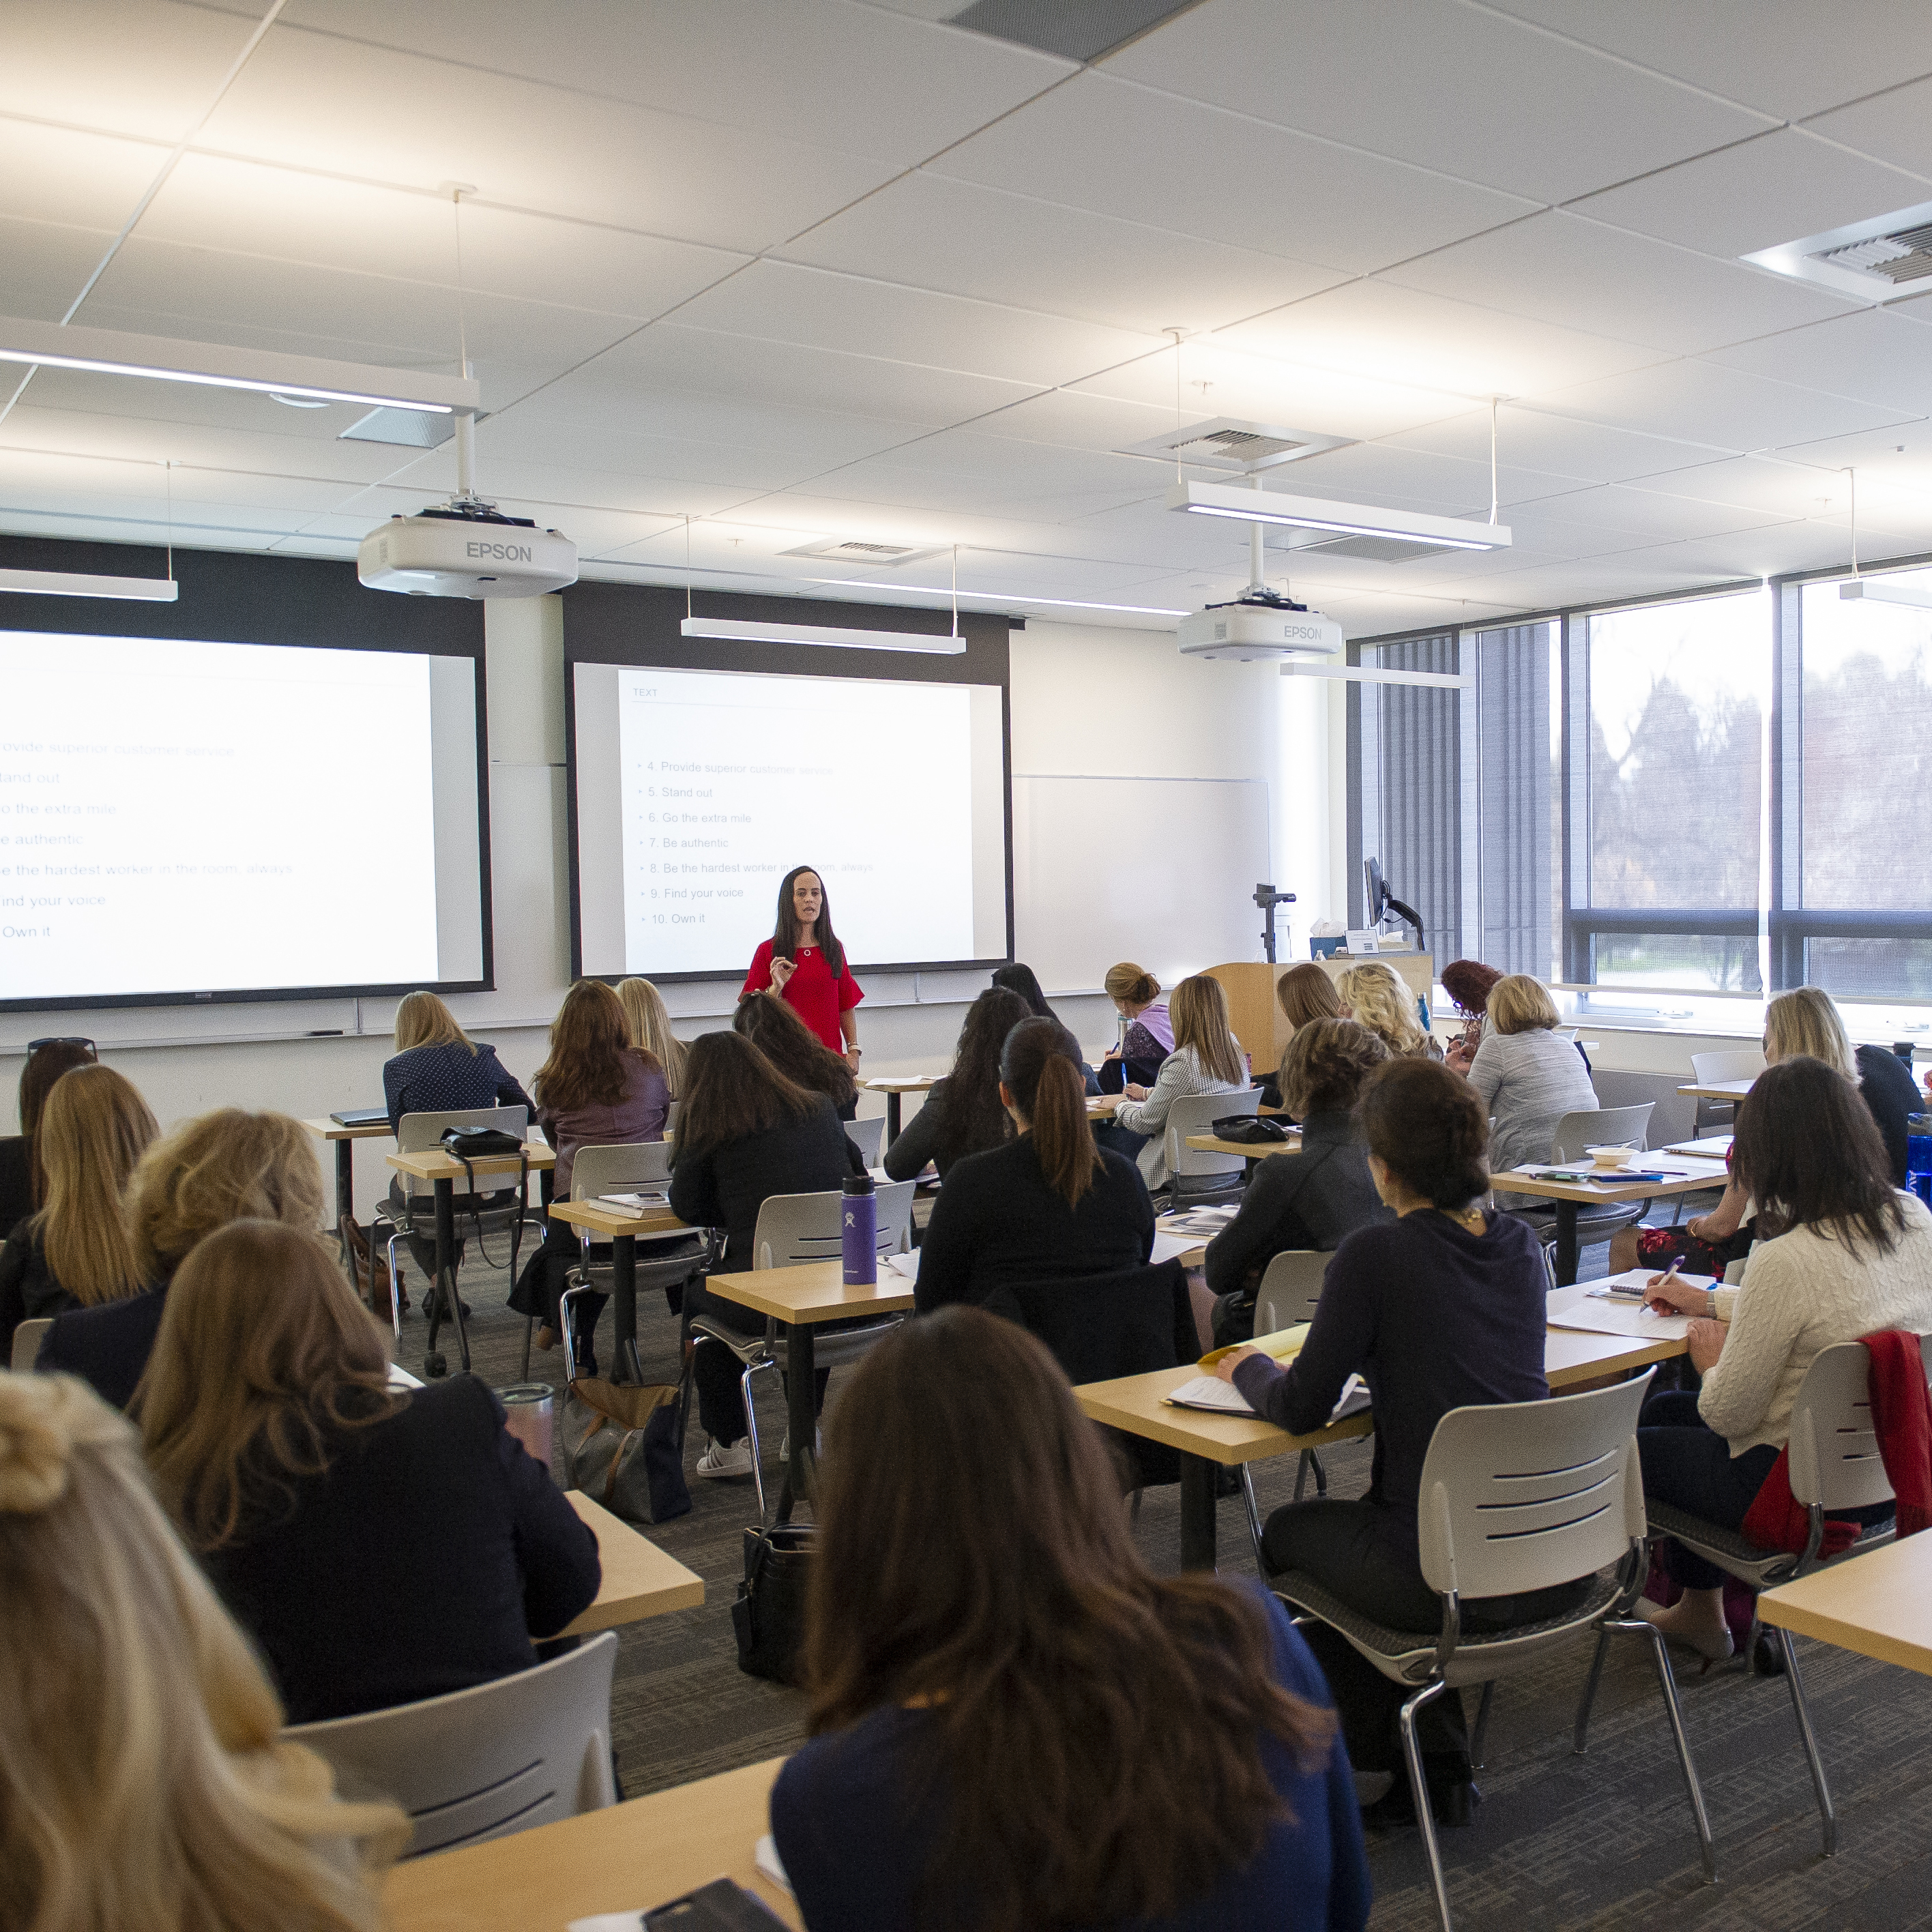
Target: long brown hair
x,y
94,1130
228,1166
1806,1145
650,1029
36,1079
1040,1065
1096,1729
590,1052
1306,993
264,1358
974,1116
732,1090
1199,1011
1426,1126
793,1048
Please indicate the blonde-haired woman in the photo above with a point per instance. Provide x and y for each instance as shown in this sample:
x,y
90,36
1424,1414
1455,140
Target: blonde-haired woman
x,y
228,1166
1207,1059
77,1252
1527,1075
291,1466
438,1069
142,1778
1375,996
650,1029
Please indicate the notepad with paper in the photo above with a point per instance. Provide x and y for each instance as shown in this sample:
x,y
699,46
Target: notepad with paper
x,y
1600,1312
634,1204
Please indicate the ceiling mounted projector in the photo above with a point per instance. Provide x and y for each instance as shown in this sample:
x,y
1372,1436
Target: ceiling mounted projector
x,y
465,548
1251,627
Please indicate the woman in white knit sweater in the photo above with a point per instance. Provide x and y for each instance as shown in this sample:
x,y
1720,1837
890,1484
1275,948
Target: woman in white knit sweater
x,y
1207,1059
1848,1255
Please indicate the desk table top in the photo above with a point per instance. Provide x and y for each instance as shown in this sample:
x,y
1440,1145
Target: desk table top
x,y
814,1292
1685,1176
1213,1143
640,1579
1880,1604
902,1083
334,1130
612,1222
437,1164
1717,1089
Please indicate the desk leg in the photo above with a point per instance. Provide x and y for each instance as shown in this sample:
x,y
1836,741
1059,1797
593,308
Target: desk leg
x,y
546,1194
443,1299
892,1116
345,1179
1566,1244
801,1479
1197,1513
624,1314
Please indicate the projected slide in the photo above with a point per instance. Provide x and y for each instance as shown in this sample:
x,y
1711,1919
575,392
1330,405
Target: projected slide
x,y
697,791
186,819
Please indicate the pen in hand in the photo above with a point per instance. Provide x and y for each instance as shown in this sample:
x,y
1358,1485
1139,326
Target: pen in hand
x,y
1654,1300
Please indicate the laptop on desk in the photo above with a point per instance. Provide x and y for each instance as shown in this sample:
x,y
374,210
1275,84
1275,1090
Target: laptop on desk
x,y
360,1116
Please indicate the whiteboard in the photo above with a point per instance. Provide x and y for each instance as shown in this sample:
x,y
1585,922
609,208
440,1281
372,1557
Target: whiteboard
x,y
1159,871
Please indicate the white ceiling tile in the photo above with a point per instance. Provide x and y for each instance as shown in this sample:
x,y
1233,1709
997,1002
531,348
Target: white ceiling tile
x,y
1476,96
1561,268
1877,354
1777,188
612,416
1785,58
1892,126
1455,485
43,265
974,241
1085,422
883,482
1123,150
1615,516
59,174
1005,460
1551,445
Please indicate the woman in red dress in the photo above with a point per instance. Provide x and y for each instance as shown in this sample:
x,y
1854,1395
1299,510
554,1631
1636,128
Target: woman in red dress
x,y
803,964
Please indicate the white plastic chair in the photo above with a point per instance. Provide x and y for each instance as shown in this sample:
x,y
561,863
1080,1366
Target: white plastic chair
x,y
1708,1070
1290,1287
1517,1497
867,1136
28,1336
1195,1176
1574,1134
484,1762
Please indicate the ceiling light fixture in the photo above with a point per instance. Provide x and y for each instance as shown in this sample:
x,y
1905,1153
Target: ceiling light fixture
x,y
70,583
109,352
1876,590
1316,513
748,632
1429,680
999,596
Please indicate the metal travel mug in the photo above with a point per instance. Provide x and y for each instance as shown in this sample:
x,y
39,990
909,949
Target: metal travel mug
x,y
529,1414
859,1225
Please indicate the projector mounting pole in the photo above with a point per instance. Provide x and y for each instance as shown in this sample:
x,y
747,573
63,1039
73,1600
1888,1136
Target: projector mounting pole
x,y
1268,898
1257,564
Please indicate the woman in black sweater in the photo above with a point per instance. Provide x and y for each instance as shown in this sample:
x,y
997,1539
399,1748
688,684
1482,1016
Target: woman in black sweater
x,y
1048,1204
745,1131
380,1545
963,1114
1440,1309
796,1051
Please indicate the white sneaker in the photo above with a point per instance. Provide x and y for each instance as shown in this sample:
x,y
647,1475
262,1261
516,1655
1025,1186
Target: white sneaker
x,y
818,1445
726,1460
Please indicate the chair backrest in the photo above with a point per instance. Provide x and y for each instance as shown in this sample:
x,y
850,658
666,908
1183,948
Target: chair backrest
x,y
1601,1126
1291,1286
670,1118
1744,1063
1834,1455
484,1762
1195,1113
1525,1496
867,1136
794,1228
417,1133
28,1336
618,1170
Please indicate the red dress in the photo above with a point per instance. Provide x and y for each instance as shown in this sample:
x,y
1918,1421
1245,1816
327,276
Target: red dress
x,y
811,992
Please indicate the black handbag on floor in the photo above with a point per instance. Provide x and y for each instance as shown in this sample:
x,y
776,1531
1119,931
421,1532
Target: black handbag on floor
x,y
770,1614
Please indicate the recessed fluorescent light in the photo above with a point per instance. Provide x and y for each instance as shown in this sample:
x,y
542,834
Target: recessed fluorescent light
x,y
1000,596
109,352
1876,590
941,646
67,583
1317,513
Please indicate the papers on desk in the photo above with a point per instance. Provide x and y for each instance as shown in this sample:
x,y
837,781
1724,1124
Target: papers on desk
x,y
900,1083
905,1266
401,1378
1168,1247
636,1205
765,1858
1594,1314
1218,1398
1204,1223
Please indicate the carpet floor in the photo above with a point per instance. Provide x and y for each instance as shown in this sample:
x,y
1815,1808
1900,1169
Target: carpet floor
x,y
1559,1842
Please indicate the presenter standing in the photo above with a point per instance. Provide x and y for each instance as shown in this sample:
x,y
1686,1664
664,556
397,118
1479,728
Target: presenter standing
x,y
803,964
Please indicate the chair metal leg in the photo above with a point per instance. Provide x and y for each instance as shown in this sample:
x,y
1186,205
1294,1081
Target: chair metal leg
x,y
1579,1741
395,1290
752,1436
1310,1461
1479,1737
1418,1785
1667,1681
1254,1518
1805,1731
529,1329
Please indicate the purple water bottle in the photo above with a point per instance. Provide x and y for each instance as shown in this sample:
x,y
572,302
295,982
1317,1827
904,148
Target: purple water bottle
x,y
859,1224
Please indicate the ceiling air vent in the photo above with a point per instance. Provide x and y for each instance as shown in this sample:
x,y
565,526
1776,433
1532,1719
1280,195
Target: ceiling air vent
x,y
852,550
1227,443
1876,261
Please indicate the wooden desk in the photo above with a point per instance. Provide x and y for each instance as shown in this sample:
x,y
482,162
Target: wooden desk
x,y
1879,1605
640,1579
1683,1176
895,1086
801,1298
624,1858
1213,1143
622,1232
1137,1404
345,1139
1718,1090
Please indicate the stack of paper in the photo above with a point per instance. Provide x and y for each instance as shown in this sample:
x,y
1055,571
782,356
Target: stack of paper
x,y
636,1205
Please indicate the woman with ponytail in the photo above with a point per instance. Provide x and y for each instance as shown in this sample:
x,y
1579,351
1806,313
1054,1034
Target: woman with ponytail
x,y
1049,1204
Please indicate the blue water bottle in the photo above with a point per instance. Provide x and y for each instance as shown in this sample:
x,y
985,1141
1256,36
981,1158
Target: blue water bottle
x,y
1918,1155
858,1224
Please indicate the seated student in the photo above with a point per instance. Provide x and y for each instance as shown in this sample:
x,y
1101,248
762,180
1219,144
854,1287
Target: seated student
x,y
1378,996
1309,1200
1305,994
1149,1038
595,1089
963,1113
380,1545
1207,1059
1527,1075
1842,1255
143,1778
1020,979
77,1252
228,1166
1014,1721
1441,1309
745,1131
796,1051
22,1184
1048,1203
651,1029
1469,983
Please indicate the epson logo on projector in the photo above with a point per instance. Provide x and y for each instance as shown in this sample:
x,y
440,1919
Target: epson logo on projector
x,y
501,552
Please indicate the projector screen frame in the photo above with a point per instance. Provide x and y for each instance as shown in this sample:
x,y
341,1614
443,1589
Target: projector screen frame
x,y
301,603
635,626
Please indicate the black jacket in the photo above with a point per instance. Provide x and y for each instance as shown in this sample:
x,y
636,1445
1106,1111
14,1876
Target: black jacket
x,y
726,1187
28,1292
16,1186
107,1346
1311,1199
920,1140
998,1224
1891,1094
423,1560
